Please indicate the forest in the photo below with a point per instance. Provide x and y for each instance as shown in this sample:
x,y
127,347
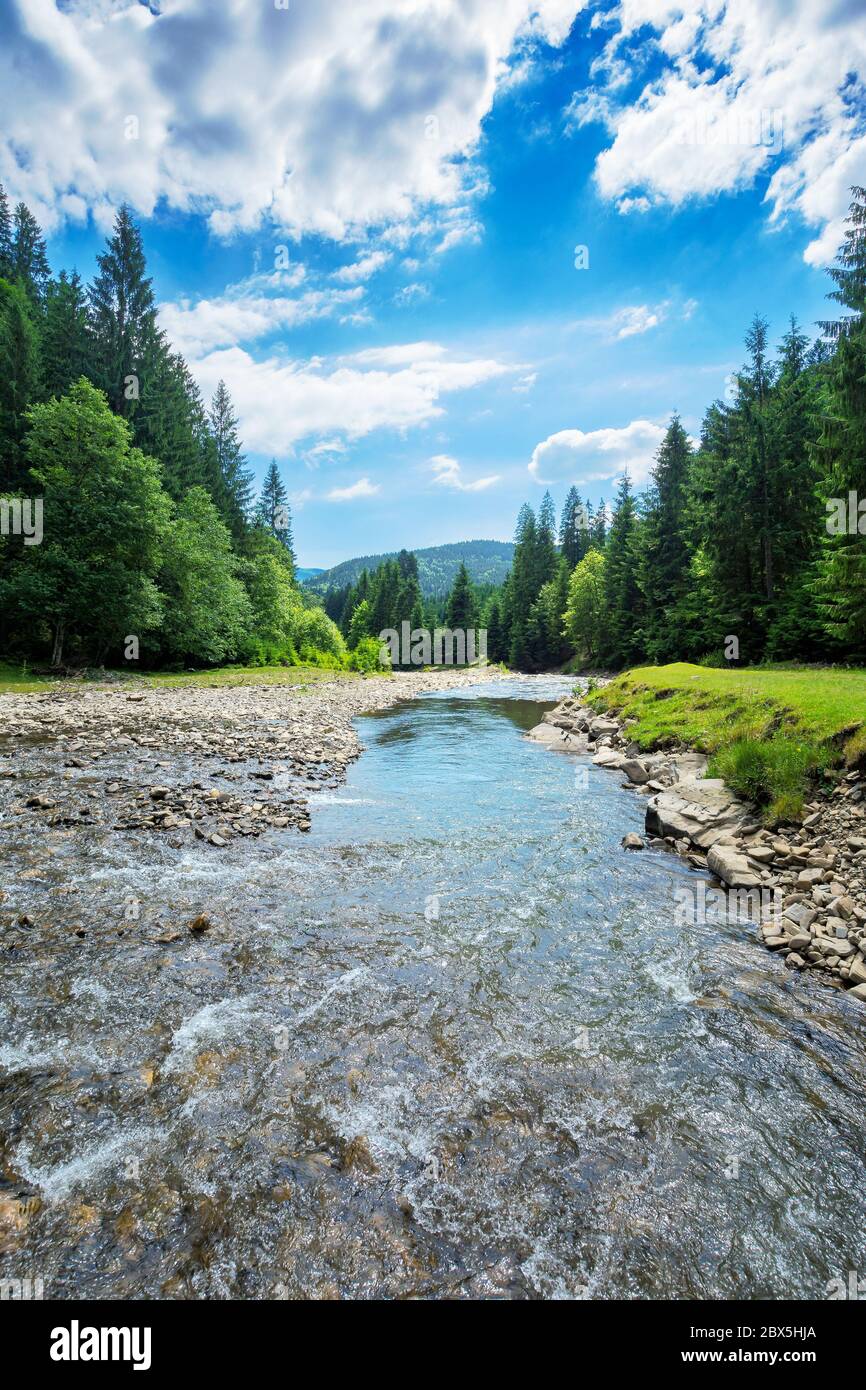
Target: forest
x,y
747,546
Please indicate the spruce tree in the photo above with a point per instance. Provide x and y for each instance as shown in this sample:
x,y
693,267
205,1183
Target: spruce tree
x,y
65,335
123,318
237,480
6,260
274,508
461,610
29,257
573,529
841,446
620,644
19,380
664,550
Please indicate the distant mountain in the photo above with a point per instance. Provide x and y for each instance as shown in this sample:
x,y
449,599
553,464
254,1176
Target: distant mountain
x,y
304,574
488,562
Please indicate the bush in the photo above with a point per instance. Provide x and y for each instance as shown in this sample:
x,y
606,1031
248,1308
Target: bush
x,y
314,629
366,656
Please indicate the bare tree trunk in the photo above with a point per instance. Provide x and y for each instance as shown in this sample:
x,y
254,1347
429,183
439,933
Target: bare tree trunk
x,y
59,633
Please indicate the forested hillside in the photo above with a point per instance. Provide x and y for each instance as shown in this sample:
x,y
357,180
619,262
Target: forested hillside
x,y
488,562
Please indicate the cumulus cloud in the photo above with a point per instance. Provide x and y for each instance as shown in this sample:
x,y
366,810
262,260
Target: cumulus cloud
x,y
282,402
447,471
362,269
242,316
778,94
245,109
597,455
362,488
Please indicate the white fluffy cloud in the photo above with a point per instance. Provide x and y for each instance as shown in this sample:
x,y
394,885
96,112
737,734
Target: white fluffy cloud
x,y
597,455
281,402
362,488
447,471
778,92
242,315
240,108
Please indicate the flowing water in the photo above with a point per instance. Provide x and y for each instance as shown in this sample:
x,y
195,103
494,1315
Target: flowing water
x,y
454,1042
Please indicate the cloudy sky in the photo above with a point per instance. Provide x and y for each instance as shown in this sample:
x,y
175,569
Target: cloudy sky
x,y
446,253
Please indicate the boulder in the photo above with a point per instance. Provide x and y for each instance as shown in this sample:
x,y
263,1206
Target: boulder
x,y
731,867
608,757
697,809
601,727
634,841
635,771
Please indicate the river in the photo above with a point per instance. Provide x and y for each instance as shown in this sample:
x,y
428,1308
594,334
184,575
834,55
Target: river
x,y
454,1042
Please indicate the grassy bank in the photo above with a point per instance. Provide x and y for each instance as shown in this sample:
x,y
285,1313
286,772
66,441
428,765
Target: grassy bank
x,y
768,731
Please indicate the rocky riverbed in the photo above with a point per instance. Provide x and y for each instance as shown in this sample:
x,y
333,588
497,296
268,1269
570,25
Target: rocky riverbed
x,y
217,764
804,884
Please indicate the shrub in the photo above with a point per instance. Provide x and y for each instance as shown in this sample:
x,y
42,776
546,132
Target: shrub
x,y
366,656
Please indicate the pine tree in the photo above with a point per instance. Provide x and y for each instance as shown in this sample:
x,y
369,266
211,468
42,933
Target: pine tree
x,y
65,336
274,508
842,443
461,609
237,479
19,380
620,644
664,551
6,260
123,317
573,529
29,257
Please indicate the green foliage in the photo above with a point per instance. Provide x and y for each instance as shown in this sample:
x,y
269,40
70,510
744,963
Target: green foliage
x,y
92,580
208,612
19,380
367,655
584,614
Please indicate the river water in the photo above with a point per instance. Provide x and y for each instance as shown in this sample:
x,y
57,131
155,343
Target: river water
x,y
455,1042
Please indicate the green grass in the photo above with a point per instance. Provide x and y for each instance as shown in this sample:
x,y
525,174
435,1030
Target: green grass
x,y
768,731
17,680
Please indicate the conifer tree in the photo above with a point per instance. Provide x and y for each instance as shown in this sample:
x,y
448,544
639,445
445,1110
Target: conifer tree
x,y
6,261
842,444
29,257
461,609
274,508
620,644
664,550
65,336
123,317
236,477
573,529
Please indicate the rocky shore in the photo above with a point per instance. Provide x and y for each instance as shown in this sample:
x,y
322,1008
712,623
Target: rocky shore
x,y
217,764
804,886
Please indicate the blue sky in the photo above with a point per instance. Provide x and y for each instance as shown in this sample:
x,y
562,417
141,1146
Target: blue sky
x,y
365,219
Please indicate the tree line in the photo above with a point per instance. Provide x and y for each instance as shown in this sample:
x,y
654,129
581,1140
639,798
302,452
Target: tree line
x,y
155,548
749,546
